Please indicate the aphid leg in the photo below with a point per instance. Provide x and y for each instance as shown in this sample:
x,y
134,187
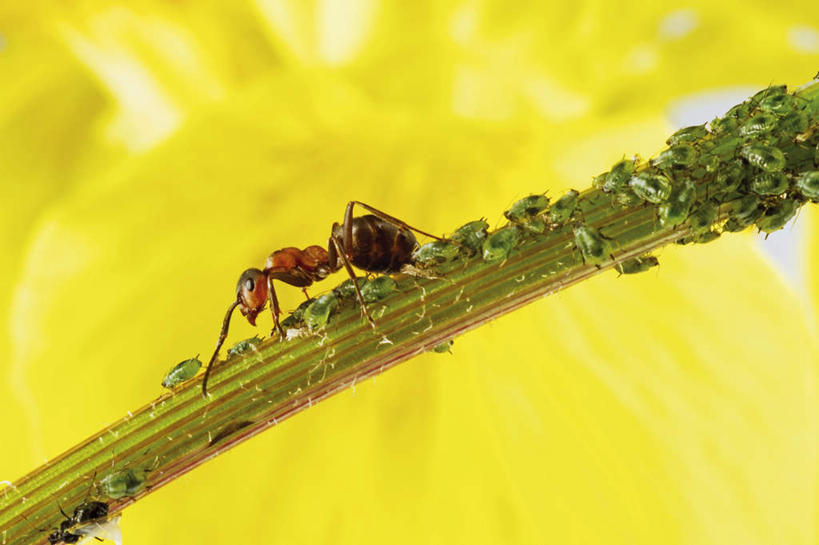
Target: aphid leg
x,y
222,335
339,249
274,308
348,220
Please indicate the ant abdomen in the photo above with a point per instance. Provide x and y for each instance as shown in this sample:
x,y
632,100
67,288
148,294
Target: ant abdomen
x,y
379,246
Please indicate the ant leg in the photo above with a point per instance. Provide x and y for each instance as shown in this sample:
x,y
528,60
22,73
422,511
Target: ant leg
x,y
222,335
348,220
304,291
346,262
274,307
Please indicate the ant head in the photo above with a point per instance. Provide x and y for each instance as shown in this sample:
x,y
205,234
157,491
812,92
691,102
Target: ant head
x,y
251,293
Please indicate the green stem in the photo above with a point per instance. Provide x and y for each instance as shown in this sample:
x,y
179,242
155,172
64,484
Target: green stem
x,y
252,392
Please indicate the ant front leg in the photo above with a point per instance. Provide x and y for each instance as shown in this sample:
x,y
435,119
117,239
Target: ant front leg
x,y
336,245
274,307
348,220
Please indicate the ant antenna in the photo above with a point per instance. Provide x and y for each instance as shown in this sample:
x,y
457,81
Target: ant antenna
x,y
222,336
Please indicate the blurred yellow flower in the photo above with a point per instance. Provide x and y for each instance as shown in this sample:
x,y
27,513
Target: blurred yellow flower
x,y
151,152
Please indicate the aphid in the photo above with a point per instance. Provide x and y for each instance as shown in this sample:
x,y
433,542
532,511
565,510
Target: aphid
x,y
599,180
627,199
445,346
120,484
345,290
181,372
471,235
708,162
593,247
730,175
816,156
794,122
722,125
637,265
296,317
704,216
527,208
808,184
500,244
739,111
675,210
318,313
378,288
744,212
563,208
375,242
764,157
725,147
654,188
769,183
770,91
680,155
761,123
617,178
435,253
778,103
777,215
687,134
706,237
243,346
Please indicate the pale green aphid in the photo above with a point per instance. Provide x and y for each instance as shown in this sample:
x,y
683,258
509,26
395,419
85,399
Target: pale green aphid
x,y
123,483
500,244
808,184
777,215
744,212
704,216
243,346
794,122
181,372
723,124
599,180
764,157
593,247
654,188
345,290
769,183
675,210
435,252
771,91
378,288
706,237
637,265
680,155
471,235
761,123
627,199
564,207
318,313
527,208
619,175
778,103
730,175
445,346
687,134
725,147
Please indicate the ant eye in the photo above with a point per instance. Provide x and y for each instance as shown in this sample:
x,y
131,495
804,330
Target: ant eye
x,y
249,284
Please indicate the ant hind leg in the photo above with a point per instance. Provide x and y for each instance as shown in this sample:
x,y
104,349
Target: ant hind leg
x,y
348,218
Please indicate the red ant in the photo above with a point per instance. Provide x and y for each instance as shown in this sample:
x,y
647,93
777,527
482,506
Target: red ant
x,y
376,242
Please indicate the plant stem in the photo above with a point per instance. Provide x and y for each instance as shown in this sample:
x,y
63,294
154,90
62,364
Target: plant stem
x,y
275,380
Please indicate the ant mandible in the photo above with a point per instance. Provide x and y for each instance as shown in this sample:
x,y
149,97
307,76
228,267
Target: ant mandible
x,y
375,242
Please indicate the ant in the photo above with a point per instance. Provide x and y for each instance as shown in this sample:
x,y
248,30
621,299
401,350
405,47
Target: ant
x,y
375,242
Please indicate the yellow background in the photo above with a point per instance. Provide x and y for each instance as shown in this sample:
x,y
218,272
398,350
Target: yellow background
x,y
152,151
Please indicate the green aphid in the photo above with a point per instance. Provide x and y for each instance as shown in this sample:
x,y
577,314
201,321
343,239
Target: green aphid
x,y
120,484
378,288
778,103
535,225
769,183
777,215
704,216
654,188
675,210
768,92
637,265
729,176
706,237
445,346
471,235
808,184
764,157
687,134
816,156
617,178
500,244
794,122
318,313
243,346
435,252
680,155
734,225
564,207
740,111
627,199
296,318
592,245
722,125
527,208
709,163
725,148
761,123
746,207
181,372
345,290
599,180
